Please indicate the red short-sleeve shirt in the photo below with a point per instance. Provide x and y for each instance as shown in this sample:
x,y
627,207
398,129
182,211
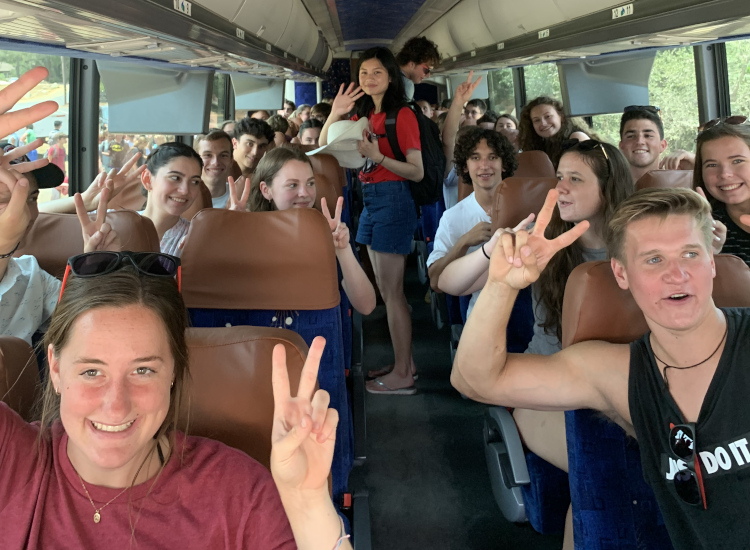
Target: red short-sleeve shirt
x,y
217,497
407,131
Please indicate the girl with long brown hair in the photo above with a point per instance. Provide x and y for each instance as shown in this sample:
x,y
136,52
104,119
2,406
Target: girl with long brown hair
x,y
543,126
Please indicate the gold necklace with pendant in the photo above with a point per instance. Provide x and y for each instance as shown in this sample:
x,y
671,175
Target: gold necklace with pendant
x,y
97,512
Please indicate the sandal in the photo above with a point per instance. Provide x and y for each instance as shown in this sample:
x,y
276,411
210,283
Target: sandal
x,y
411,390
373,374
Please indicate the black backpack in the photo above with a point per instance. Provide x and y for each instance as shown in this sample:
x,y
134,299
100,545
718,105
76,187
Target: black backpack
x,y
430,189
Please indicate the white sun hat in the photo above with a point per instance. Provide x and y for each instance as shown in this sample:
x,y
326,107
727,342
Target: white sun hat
x,y
342,142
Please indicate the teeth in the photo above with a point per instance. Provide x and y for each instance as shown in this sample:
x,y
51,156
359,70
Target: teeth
x,y
178,200
105,428
678,296
730,187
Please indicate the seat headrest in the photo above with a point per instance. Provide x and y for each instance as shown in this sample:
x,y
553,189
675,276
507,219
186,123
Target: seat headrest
x,y
592,284
534,164
330,178
203,200
56,237
130,198
668,179
516,198
231,396
260,260
19,375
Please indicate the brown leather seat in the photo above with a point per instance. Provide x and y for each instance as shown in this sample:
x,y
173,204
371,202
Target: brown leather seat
x,y
534,164
231,396
56,237
666,179
592,284
516,197
130,198
19,375
203,201
260,260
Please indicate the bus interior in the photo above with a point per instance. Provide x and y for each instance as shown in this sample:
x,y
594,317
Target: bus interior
x,y
435,470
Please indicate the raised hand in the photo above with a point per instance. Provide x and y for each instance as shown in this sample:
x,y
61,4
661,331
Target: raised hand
x,y
542,248
304,428
339,230
235,203
97,234
6,159
465,90
344,101
114,180
10,95
14,212
719,229
745,220
679,160
490,246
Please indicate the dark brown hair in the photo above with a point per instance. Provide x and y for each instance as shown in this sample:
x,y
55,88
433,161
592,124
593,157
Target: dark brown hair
x,y
721,130
615,185
267,168
529,140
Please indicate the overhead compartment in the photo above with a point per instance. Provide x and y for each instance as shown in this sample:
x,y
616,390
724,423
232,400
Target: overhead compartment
x,y
440,34
268,20
467,28
226,8
301,34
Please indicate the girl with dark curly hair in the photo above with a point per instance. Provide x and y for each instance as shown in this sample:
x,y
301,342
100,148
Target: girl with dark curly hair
x,y
545,127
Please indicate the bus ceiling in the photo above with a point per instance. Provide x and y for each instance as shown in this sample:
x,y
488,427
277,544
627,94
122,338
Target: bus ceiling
x,y
178,32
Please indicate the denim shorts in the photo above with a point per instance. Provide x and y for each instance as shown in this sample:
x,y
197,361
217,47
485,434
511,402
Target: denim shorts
x,y
389,219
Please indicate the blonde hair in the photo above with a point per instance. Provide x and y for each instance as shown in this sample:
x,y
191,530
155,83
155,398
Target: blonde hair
x,y
270,165
658,203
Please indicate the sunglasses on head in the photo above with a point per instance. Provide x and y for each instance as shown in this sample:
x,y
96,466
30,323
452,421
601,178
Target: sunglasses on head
x,y
732,120
93,264
688,483
587,145
650,108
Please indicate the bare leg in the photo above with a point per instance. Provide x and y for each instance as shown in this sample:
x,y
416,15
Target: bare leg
x,y
389,274
543,432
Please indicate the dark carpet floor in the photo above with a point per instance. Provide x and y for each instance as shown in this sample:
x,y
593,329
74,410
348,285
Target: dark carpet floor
x,y
426,473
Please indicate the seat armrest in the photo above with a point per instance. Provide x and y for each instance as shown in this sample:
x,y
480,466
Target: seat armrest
x,y
500,427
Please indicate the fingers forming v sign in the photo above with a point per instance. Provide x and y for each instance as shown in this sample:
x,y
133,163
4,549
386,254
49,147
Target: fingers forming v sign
x,y
234,203
9,96
465,90
6,159
97,234
304,428
339,230
15,217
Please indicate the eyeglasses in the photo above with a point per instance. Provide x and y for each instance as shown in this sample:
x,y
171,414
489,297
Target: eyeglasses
x,y
426,69
93,264
588,145
688,483
732,120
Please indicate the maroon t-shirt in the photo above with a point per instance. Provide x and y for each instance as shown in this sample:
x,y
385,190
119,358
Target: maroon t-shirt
x,y
218,497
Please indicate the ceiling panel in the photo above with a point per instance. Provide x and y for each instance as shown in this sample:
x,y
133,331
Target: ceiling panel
x,y
368,19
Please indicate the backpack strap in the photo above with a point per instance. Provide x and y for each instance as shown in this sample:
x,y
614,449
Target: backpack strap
x,y
390,132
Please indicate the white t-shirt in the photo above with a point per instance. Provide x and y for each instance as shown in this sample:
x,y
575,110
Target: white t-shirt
x,y
28,296
454,224
221,202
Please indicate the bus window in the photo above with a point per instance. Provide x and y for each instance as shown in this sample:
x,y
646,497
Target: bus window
x,y
738,63
502,97
217,101
54,129
542,80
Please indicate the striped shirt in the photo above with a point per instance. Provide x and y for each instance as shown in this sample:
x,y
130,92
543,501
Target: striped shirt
x,y
170,242
738,240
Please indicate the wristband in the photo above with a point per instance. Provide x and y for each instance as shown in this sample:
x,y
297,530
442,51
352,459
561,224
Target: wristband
x,y
9,254
382,161
484,251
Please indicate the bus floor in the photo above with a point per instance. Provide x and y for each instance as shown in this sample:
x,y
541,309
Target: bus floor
x,y
426,472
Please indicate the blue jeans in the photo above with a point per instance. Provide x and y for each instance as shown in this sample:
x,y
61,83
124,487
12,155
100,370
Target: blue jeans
x,y
389,219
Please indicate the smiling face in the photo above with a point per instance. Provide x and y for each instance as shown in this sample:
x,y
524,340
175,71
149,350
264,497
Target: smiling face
x,y
249,150
114,377
580,193
217,161
726,170
669,270
504,123
175,186
292,187
485,167
641,143
546,120
373,77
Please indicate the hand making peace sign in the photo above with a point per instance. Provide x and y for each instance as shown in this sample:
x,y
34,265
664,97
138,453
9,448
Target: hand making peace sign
x,y
9,96
522,256
14,213
304,428
235,204
339,230
465,90
97,234
345,100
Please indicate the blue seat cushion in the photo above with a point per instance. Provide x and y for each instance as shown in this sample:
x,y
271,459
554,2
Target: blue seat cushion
x,y
331,376
547,498
613,507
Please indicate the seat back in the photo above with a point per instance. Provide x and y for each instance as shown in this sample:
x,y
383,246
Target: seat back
x,y
56,237
534,164
273,269
665,179
130,198
19,375
517,197
596,447
201,202
231,396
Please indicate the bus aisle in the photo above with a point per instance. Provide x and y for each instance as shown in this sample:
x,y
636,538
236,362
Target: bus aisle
x,y
426,471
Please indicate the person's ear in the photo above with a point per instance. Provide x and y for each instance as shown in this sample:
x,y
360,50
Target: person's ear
x,y
234,143
663,145
621,275
54,368
146,179
265,191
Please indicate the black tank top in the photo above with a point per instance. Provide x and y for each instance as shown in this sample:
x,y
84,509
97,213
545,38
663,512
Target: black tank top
x,y
722,436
